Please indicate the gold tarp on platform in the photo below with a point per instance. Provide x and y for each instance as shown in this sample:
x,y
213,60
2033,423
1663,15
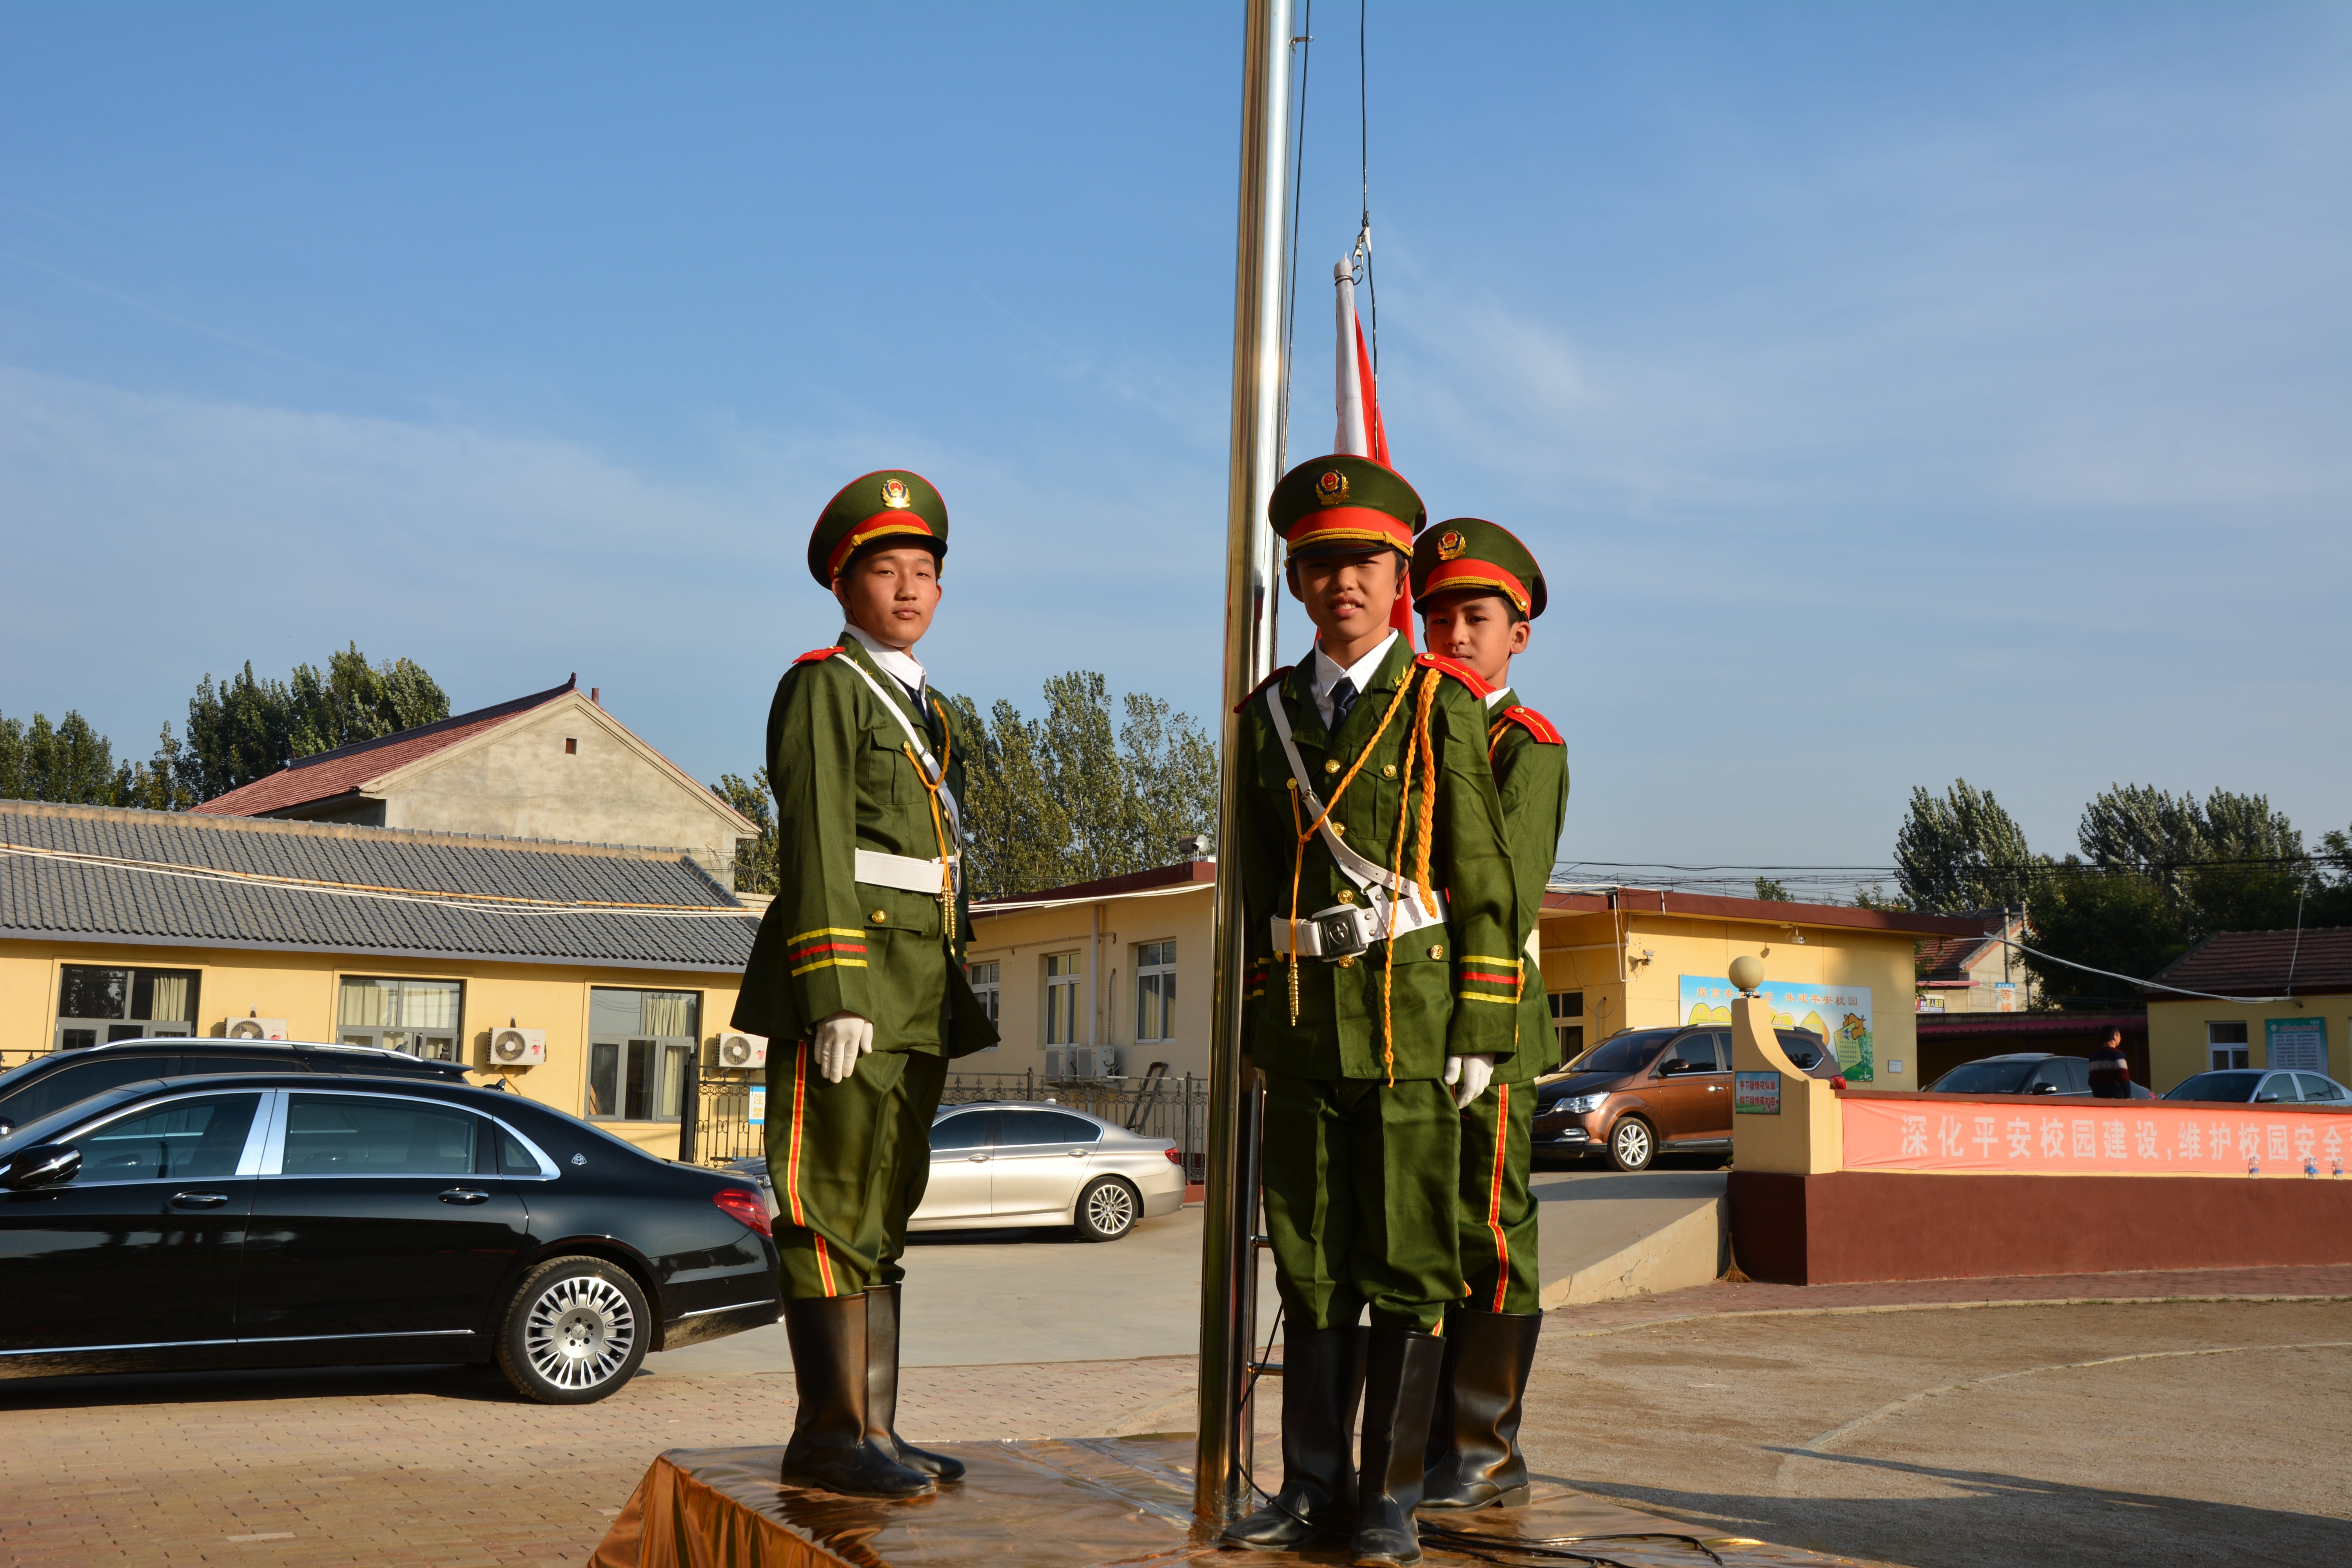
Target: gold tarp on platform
x,y
1070,1503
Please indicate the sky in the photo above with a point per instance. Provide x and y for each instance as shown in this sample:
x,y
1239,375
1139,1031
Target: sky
x,y
1892,393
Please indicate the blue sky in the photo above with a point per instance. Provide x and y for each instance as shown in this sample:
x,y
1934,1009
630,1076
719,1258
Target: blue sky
x,y
1891,393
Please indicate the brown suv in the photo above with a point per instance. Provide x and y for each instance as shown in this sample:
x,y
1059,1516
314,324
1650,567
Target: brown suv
x,y
1649,1092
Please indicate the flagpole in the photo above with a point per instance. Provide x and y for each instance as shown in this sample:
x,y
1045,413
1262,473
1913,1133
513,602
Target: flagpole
x,y
1229,1232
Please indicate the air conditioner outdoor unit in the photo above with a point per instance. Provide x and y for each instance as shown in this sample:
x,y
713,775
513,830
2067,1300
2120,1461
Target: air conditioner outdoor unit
x,y
1106,1062
742,1051
256,1028
1057,1061
518,1047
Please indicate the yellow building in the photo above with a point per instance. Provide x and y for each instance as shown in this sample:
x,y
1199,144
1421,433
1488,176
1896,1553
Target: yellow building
x,y
2306,1024
1106,978
621,963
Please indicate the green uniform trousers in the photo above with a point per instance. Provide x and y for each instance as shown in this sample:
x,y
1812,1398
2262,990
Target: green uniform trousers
x,y
849,1160
1497,1212
1359,1200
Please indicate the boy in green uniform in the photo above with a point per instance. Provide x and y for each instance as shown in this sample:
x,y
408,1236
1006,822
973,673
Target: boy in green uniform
x,y
856,976
1477,589
1383,938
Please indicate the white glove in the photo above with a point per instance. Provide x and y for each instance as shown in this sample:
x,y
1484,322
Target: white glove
x,y
840,1040
1469,1075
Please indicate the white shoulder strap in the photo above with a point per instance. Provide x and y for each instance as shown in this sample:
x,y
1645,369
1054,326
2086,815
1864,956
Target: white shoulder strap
x,y
930,764
1362,872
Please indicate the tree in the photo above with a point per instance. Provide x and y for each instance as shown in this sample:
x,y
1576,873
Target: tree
x,y
2117,920
755,867
1961,852
246,727
67,762
1772,892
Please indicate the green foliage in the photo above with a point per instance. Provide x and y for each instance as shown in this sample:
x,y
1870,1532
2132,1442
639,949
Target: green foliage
x,y
2117,920
66,762
1772,892
755,865
1069,798
245,727
1962,851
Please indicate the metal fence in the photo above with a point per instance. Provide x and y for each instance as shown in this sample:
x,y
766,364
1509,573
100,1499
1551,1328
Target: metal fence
x,y
1156,1105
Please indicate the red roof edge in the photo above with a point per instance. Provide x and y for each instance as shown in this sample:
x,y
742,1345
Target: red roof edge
x,y
1767,911
454,721
1182,872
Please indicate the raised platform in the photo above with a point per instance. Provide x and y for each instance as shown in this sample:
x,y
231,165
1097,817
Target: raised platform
x,y
1071,1503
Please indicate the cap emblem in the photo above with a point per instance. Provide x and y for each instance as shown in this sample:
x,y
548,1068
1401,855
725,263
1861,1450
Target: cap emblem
x,y
1331,487
894,495
1450,545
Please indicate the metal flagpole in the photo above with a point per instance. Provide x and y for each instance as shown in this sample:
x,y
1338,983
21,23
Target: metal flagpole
x,y
1228,1243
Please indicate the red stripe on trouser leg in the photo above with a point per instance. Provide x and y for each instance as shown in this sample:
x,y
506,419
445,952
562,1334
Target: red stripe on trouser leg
x,y
1495,1193
824,1268
793,1154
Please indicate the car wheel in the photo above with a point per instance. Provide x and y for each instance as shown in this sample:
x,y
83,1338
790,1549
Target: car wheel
x,y
576,1329
1633,1145
1107,1209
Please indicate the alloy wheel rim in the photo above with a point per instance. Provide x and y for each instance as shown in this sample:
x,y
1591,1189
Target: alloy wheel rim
x,y
1110,1208
580,1331
1632,1143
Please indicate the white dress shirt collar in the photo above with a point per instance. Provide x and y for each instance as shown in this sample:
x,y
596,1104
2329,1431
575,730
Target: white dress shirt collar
x,y
901,668
1496,698
1327,674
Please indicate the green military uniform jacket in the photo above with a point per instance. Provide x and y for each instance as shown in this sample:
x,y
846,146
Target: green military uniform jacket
x,y
1530,764
1454,987
830,943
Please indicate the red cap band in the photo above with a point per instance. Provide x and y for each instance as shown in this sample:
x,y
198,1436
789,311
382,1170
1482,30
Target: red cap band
x,y
1348,524
876,527
1453,576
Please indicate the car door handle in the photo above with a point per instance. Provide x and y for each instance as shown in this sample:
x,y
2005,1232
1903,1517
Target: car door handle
x,y
1077,1154
977,1158
465,1195
200,1200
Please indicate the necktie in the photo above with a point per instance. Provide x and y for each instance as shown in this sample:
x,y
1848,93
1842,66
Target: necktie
x,y
1343,697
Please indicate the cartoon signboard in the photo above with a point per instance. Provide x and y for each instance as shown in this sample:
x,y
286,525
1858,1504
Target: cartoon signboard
x,y
1837,1015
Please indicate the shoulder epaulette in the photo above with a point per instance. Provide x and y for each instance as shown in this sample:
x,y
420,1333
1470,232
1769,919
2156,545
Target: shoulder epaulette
x,y
1261,686
1535,724
815,654
1461,672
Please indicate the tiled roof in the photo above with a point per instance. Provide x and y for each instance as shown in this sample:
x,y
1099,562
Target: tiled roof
x,y
1945,962
2257,964
107,874
327,775
1182,873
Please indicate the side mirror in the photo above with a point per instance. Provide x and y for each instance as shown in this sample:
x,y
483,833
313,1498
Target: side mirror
x,y
2266,1099
42,1165
1677,1068
2045,1089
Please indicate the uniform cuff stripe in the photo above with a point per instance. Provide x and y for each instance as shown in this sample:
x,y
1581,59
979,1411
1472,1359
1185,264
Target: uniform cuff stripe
x,y
830,962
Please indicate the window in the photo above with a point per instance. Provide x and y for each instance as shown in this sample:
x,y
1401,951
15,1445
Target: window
x,y
2225,1047
363,1135
2318,1090
638,1046
418,1017
570,745
985,983
96,1006
1565,1005
963,1129
204,1136
1155,991
1017,1127
1061,998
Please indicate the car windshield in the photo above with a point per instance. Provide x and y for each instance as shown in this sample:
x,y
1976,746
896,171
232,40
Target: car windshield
x,y
46,1129
2235,1087
1994,1076
1626,1053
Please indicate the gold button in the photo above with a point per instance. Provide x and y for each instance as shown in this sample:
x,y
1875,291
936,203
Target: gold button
x,y
1346,895
1331,765
878,916
1347,964
1436,953
1387,769
1340,828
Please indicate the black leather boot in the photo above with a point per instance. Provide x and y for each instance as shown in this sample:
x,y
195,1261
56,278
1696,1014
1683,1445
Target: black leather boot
x,y
882,1389
1322,1378
829,1447
1474,1440
1400,1372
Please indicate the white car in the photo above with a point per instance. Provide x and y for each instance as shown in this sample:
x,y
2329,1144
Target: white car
x,y
1002,1163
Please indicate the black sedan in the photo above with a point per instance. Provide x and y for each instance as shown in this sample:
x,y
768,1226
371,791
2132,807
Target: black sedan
x,y
304,1220
55,1079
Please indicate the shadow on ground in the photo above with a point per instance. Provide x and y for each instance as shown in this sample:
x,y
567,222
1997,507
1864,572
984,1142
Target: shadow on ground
x,y
1988,1519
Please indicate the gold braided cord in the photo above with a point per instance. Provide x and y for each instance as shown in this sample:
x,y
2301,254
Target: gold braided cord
x,y
1388,971
1495,736
1297,863
1298,850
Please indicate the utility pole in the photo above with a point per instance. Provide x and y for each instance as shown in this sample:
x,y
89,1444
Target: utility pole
x,y
1229,1234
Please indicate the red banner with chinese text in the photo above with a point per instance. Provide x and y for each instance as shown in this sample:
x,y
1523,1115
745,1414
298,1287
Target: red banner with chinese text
x,y
2092,1137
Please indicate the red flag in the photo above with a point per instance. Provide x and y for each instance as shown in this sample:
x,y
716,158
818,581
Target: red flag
x,y
1361,432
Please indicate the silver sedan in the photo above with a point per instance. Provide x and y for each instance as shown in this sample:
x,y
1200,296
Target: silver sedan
x,y
1003,1164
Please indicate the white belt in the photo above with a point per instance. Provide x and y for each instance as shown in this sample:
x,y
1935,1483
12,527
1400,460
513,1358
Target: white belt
x,y
902,871
1344,930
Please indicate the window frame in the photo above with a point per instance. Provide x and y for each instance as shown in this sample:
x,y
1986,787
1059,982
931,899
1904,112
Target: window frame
x,y
256,1134
272,1153
1569,1037
1060,981
671,1055
989,992
104,1031
1157,978
348,1034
